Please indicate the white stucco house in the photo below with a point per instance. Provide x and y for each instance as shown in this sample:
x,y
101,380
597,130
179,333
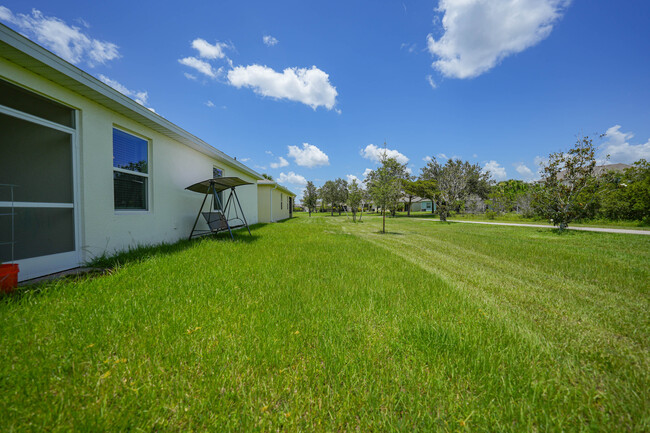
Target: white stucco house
x,y
93,171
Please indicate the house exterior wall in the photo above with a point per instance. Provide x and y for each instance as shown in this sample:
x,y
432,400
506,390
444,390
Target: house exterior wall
x,y
269,198
172,167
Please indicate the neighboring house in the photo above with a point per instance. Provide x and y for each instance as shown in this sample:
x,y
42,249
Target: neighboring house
x,y
600,170
95,172
418,204
274,202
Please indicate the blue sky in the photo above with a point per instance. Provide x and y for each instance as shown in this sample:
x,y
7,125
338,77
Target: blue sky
x,y
312,90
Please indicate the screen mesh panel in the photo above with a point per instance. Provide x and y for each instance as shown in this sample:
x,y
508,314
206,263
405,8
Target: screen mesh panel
x,y
29,102
37,159
38,232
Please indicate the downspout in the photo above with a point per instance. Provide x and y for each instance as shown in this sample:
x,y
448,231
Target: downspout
x,y
271,201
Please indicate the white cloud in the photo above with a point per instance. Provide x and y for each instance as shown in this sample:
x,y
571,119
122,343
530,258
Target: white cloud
x,y
208,51
525,172
269,40
68,42
478,34
210,104
366,172
281,163
308,156
189,76
292,179
496,171
620,150
245,159
431,82
268,152
351,177
201,66
427,158
374,153
408,47
309,86
139,97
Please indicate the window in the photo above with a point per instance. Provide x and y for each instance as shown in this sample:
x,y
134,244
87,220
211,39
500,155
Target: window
x,y
130,171
280,200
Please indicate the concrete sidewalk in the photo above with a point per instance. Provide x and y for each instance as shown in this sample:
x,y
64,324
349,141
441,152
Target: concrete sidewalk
x,y
585,229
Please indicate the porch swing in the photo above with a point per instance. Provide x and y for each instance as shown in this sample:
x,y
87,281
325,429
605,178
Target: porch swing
x,y
219,218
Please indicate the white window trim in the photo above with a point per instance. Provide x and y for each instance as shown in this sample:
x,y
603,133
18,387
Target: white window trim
x,y
148,189
76,176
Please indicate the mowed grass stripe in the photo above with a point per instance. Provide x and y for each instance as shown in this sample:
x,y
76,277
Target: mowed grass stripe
x,y
591,327
305,327
542,294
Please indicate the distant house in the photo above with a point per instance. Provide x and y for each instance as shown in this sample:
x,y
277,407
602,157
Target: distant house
x,y
274,202
599,170
94,171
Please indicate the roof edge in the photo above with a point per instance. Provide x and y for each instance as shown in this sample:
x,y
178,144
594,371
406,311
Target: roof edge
x,y
141,114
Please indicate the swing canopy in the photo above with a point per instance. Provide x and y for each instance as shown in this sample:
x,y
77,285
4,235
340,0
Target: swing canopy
x,y
219,217
220,184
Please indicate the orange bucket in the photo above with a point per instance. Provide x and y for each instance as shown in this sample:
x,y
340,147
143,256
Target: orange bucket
x,y
8,277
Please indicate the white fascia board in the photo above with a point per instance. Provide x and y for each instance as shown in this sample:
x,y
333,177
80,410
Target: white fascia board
x,y
22,51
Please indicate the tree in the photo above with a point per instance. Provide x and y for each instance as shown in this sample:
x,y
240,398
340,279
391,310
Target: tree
x,y
427,189
340,192
410,190
385,185
568,184
310,197
456,180
355,197
327,194
626,195
267,176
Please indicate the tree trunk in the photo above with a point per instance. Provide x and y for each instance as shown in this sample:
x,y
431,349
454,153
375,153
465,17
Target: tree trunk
x,y
383,229
332,210
310,213
409,209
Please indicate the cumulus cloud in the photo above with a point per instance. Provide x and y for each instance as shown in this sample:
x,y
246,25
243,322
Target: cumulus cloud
x,y
525,172
311,86
292,179
210,104
281,163
478,34
140,97
68,42
351,177
620,150
427,158
366,172
208,51
374,153
269,40
200,65
496,171
308,156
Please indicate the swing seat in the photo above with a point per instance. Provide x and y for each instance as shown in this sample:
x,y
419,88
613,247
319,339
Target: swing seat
x,y
219,221
216,221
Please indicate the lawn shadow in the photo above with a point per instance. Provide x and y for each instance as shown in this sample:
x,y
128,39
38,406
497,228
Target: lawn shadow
x,y
106,264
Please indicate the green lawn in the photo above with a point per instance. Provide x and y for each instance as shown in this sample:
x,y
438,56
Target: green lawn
x,y
321,324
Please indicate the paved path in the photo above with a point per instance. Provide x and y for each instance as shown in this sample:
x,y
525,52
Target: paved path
x,y
586,229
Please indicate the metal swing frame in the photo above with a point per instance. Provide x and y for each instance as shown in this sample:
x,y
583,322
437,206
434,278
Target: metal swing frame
x,y
219,220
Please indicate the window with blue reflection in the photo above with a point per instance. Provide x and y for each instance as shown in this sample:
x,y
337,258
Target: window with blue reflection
x,y
130,152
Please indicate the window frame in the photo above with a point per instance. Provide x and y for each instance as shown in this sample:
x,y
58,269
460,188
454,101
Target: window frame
x,y
146,176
